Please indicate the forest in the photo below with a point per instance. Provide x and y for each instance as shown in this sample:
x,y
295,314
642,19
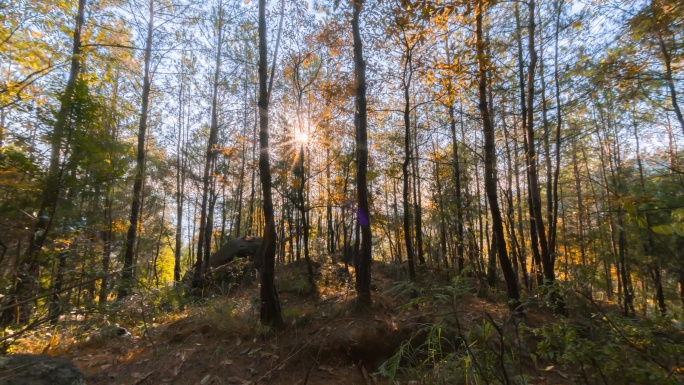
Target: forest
x,y
354,192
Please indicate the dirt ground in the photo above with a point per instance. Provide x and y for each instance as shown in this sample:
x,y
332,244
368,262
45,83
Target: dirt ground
x,y
326,340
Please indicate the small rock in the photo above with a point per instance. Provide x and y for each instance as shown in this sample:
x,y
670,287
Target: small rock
x,y
33,369
122,332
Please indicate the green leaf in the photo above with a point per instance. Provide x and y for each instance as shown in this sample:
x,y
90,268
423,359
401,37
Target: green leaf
x,y
642,222
663,229
630,208
678,228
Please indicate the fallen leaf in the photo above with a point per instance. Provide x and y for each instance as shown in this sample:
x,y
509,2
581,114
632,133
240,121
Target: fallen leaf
x,y
366,377
206,379
253,351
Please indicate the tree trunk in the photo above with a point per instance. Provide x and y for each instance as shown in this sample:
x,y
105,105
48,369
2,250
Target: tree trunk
x,y
305,219
405,170
489,155
206,210
442,224
515,248
127,280
108,222
330,235
533,175
180,188
28,274
457,165
580,205
667,61
417,197
241,183
649,246
270,305
559,126
252,191
363,259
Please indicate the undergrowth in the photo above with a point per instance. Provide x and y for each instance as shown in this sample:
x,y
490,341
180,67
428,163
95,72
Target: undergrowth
x,y
599,349
610,349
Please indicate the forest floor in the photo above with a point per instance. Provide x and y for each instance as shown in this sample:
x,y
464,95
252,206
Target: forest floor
x,y
326,340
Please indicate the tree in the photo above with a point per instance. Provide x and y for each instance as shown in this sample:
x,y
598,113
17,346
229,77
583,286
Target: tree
x,y
26,279
270,305
363,259
489,163
207,208
127,278
547,260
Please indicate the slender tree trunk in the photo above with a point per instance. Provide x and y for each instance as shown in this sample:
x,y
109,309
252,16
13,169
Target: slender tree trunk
x,y
270,305
442,224
580,205
559,125
277,46
489,155
606,262
459,198
363,259
159,241
681,286
252,193
106,245
330,236
417,198
305,219
523,249
619,245
405,169
667,61
108,222
397,230
180,187
649,246
533,175
127,279
547,153
241,183
206,210
534,243
27,276
515,248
